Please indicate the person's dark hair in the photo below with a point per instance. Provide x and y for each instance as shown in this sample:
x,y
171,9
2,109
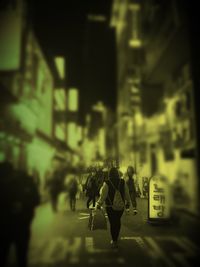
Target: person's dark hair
x,y
114,174
131,168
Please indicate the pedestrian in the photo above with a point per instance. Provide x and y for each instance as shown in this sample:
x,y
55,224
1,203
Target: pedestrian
x,y
99,178
55,183
145,187
21,198
72,187
91,188
113,192
131,187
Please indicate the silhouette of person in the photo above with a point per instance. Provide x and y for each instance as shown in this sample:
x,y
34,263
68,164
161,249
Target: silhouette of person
x,y
20,197
107,193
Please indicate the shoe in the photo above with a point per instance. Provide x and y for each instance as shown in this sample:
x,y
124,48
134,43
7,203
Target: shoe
x,y
114,244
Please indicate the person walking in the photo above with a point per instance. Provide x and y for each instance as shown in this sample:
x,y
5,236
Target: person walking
x,y
72,186
20,197
115,194
91,188
55,185
131,187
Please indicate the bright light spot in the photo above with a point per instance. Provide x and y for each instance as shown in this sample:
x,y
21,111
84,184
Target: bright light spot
x,y
134,89
138,119
135,43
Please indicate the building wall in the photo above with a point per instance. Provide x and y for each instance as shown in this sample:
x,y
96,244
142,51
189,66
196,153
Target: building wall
x,y
125,15
167,139
27,101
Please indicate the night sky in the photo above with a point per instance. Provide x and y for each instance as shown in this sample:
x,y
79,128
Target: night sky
x,y
62,27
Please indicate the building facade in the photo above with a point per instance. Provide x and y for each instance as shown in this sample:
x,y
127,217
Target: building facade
x,y
27,85
155,69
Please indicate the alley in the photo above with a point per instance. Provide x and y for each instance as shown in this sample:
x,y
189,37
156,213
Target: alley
x,y
93,93
63,239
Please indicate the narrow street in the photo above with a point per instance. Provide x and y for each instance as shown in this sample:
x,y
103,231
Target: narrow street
x,y
63,239
90,92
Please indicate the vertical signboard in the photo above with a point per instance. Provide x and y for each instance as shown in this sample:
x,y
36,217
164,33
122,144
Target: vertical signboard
x,y
159,208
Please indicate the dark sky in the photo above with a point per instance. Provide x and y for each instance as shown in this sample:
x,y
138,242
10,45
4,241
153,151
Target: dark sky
x,y
62,27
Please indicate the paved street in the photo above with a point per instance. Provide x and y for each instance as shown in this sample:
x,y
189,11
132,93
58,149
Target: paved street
x,y
63,239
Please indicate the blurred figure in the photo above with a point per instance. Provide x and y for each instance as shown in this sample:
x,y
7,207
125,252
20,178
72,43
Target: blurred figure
x,y
53,189
107,194
21,197
72,188
145,188
55,182
91,188
131,187
99,178
7,203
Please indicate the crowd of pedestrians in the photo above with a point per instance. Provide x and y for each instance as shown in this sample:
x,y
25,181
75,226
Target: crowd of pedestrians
x,y
20,195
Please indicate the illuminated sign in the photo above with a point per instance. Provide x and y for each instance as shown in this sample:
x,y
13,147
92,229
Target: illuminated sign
x,y
159,199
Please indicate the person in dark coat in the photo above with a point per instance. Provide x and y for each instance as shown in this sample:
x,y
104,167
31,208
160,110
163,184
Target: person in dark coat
x,y
55,185
131,186
21,197
72,187
91,188
107,194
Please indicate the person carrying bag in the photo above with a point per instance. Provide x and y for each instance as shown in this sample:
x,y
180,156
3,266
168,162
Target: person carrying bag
x,y
115,194
97,220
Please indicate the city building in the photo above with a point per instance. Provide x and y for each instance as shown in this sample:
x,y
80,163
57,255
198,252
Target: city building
x,y
155,111
27,95
125,19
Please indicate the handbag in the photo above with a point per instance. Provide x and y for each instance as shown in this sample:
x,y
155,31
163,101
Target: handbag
x,y
97,220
